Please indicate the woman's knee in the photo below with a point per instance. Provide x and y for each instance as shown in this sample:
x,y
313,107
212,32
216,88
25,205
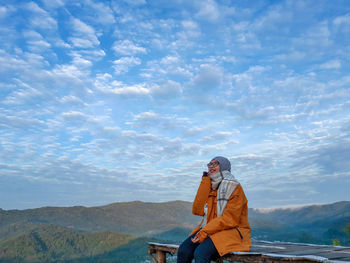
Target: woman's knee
x,y
205,252
200,256
184,251
197,253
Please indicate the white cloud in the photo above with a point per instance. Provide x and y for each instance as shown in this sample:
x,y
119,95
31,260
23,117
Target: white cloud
x,y
80,62
36,43
191,29
218,136
71,99
150,120
342,20
127,48
317,37
82,42
123,64
93,55
53,3
74,116
20,122
3,12
166,67
84,35
40,18
68,73
251,163
342,82
194,131
135,2
292,56
106,84
170,60
166,90
209,77
277,18
332,64
10,63
208,10
22,95
39,45
102,13
82,28
134,90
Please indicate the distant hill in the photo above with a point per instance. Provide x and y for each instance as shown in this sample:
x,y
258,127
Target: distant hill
x,y
46,243
103,234
312,224
152,219
137,218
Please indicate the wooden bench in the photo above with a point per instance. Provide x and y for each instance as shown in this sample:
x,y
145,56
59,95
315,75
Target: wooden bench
x,y
269,252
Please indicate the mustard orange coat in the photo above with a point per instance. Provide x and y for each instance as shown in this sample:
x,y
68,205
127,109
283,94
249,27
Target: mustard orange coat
x,y
229,232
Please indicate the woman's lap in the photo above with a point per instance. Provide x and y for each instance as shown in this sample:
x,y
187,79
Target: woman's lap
x,y
201,252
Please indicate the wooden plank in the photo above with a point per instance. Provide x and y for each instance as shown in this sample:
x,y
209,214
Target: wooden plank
x,y
169,248
160,256
307,250
335,255
330,252
298,249
256,257
312,251
273,252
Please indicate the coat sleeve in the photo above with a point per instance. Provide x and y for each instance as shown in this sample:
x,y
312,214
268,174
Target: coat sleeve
x,y
230,217
201,196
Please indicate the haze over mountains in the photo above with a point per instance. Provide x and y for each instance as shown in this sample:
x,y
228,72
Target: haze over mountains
x,y
107,229
137,218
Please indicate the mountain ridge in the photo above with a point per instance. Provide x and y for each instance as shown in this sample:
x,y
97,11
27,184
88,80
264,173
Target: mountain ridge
x,y
146,218
287,207
121,231
135,218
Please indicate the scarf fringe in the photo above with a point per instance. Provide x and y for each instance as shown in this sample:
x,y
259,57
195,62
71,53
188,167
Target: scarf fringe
x,y
226,183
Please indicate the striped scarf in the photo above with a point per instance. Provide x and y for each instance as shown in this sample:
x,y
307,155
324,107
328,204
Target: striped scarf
x,y
226,183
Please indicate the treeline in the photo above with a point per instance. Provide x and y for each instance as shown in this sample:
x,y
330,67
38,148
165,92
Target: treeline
x,y
337,242
52,243
101,234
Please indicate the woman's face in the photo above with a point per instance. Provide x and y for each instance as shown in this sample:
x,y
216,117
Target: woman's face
x,y
213,167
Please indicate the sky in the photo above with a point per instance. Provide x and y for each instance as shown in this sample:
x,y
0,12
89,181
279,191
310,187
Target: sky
x,y
123,100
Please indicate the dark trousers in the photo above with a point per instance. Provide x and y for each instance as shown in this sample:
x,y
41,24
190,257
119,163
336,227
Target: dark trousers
x,y
201,252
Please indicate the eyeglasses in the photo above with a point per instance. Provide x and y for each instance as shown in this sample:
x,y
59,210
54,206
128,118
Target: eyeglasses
x,y
213,164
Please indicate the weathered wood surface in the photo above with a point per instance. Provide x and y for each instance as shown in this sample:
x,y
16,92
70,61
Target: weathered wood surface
x,y
269,252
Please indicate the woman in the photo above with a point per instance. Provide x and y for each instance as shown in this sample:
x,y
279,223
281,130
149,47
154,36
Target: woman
x,y
222,203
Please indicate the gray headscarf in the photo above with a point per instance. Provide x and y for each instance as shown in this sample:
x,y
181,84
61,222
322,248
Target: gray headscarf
x,y
225,164
224,181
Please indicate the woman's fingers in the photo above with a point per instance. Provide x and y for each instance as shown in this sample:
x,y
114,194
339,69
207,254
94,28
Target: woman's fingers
x,y
195,239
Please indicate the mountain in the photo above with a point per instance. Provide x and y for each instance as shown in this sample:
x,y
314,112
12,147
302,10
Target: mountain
x,y
313,224
137,218
103,234
152,219
46,243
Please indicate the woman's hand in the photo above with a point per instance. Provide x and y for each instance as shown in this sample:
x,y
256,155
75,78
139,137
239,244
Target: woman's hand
x,y
199,237
195,239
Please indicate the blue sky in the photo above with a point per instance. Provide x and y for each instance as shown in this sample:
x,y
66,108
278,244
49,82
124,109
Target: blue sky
x,y
111,101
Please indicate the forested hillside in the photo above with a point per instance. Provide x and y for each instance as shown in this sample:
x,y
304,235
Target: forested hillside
x,y
46,243
318,224
137,218
119,232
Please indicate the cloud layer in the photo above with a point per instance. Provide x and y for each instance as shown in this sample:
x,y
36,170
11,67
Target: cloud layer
x,y
128,100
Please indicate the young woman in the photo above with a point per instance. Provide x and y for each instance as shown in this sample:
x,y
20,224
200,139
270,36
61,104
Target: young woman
x,y
222,203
